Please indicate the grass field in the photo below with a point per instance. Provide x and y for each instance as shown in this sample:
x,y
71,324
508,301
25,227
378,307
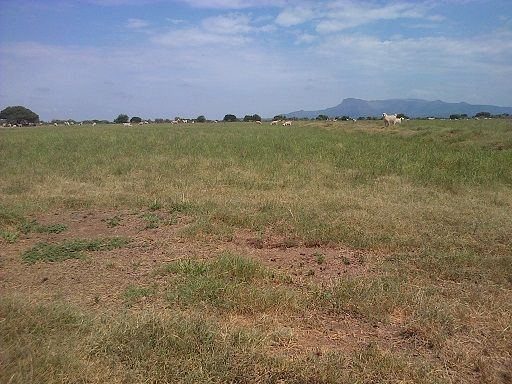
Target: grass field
x,y
328,252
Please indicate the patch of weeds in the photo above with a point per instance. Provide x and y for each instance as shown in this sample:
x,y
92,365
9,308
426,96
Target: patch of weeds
x,y
52,252
155,206
180,207
319,257
372,298
152,220
345,260
72,249
310,273
113,221
229,283
134,294
9,217
55,228
27,227
290,243
460,266
9,236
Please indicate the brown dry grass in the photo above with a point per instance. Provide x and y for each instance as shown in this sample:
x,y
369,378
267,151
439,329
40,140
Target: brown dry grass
x,y
297,264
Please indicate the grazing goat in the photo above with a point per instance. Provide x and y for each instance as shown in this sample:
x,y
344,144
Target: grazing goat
x,y
275,122
287,123
93,124
389,119
127,124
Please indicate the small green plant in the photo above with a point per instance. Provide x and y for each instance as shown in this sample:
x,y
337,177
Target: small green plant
x,y
155,206
152,220
180,207
319,257
113,221
55,228
9,236
133,293
345,260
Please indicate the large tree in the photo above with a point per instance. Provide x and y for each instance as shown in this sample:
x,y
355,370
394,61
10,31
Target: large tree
x,y
122,118
19,115
230,118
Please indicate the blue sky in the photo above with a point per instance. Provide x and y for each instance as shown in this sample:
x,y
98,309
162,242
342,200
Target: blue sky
x,y
96,59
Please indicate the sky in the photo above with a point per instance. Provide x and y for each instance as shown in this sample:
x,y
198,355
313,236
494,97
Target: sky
x,y
96,59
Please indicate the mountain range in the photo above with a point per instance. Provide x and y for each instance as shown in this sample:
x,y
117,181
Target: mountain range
x,y
409,107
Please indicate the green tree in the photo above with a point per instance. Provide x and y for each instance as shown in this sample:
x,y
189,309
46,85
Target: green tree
x,y
279,117
122,118
230,118
256,117
201,119
135,119
322,117
19,115
247,118
483,114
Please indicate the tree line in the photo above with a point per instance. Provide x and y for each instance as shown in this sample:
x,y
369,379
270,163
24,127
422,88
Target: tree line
x,y
20,115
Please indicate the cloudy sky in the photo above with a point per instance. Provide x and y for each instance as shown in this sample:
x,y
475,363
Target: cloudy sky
x,y
88,59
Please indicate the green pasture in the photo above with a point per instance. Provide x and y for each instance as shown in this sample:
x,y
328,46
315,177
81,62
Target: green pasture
x,y
427,203
434,184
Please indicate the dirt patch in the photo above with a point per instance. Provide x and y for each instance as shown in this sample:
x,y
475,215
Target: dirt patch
x,y
103,280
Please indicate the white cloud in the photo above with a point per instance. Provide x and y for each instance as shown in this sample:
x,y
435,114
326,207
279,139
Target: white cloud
x,y
136,24
295,15
491,54
305,38
228,24
196,37
343,15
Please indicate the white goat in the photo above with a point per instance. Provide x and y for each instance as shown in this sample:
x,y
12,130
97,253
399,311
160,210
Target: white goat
x,y
287,123
389,119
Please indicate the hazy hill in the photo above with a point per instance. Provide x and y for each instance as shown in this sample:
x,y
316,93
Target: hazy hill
x,y
410,107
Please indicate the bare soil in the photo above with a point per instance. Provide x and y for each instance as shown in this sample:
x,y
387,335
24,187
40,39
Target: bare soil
x,y
99,282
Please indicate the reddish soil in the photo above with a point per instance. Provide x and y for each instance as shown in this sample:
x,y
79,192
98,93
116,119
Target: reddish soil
x,y
99,282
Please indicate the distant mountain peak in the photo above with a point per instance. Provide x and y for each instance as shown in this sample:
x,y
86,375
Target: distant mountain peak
x,y
354,108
